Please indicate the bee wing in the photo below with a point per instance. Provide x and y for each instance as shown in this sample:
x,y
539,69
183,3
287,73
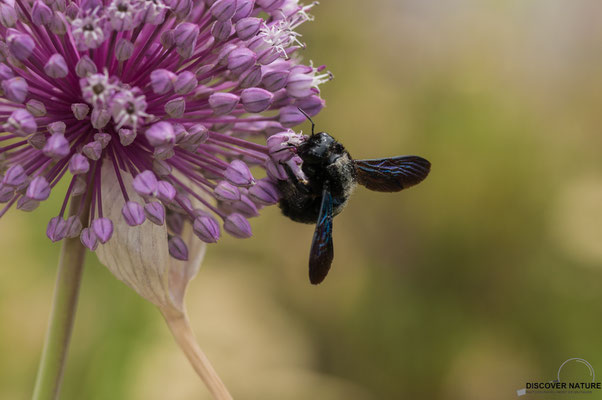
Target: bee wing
x,y
392,174
322,250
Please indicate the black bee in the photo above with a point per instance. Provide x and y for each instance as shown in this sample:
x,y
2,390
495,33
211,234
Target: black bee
x,y
332,175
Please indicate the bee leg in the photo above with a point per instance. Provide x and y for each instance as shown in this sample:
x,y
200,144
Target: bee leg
x,y
299,185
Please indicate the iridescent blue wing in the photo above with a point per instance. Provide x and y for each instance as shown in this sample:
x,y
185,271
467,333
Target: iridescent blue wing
x,y
392,174
322,250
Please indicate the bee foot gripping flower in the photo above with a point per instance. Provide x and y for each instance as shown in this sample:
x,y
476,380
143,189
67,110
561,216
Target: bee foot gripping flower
x,y
146,109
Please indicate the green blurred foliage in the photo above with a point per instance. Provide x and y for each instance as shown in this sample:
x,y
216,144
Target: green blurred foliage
x,y
482,278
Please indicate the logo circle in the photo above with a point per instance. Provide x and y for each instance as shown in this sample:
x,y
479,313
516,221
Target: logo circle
x,y
592,373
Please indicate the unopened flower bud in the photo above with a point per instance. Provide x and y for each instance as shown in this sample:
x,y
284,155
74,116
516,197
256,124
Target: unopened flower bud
x,y
240,60
126,136
207,229
21,45
155,212
281,99
221,30
8,15
238,226
246,207
56,147
239,174
168,38
37,140
93,150
56,229
226,191
80,110
222,57
175,108
38,189
223,10
6,72
57,128
251,77
36,108
124,49
197,135
265,192
244,8
85,66
103,228
14,176
256,100
58,25
161,168
15,89
26,204
222,103
89,239
290,116
74,226
6,193
162,81
41,14
246,28
78,164
102,138
21,123
311,105
179,131
185,82
100,118
71,10
181,8
177,248
56,67
133,213
145,183
160,134
165,191
175,223
185,35
275,80
164,152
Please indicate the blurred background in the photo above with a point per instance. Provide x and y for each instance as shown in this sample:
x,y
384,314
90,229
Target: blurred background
x,y
484,277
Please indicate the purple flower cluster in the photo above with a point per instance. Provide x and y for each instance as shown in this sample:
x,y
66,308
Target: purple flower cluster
x,y
169,92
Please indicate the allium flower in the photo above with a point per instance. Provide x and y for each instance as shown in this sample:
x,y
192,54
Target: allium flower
x,y
159,99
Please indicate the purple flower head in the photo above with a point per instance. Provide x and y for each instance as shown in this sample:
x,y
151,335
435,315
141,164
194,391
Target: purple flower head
x,y
167,101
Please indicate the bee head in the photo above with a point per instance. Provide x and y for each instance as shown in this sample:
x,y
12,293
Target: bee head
x,y
316,149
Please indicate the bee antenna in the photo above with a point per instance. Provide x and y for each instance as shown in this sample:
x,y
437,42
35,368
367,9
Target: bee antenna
x,y
307,116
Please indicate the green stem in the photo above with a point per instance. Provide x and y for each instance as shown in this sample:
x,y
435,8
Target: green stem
x,y
64,304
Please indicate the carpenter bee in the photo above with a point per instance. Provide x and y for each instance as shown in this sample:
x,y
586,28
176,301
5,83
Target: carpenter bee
x,y
332,175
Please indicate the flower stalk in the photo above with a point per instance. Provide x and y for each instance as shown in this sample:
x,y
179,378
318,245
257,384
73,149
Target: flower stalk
x,y
179,325
60,325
